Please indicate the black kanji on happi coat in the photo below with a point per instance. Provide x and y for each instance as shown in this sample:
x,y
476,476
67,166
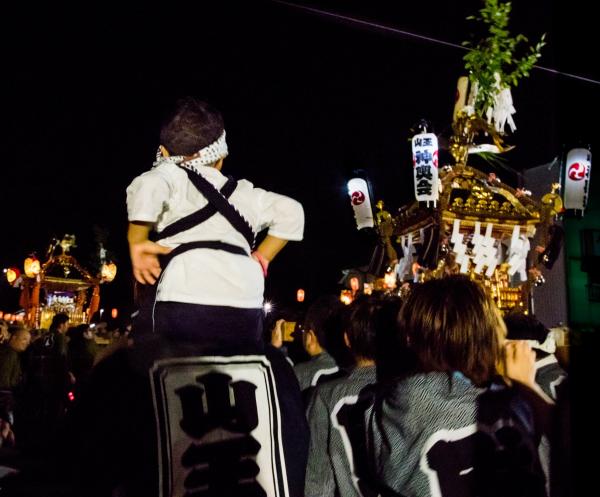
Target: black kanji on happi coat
x,y
227,466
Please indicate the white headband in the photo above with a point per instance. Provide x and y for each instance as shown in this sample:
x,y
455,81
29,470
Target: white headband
x,y
204,157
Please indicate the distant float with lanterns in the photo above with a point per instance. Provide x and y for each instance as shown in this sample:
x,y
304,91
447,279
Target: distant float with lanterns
x,y
59,285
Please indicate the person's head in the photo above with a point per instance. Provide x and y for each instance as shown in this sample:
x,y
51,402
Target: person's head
x,y
191,126
365,320
60,323
19,340
88,332
321,324
101,329
451,324
78,333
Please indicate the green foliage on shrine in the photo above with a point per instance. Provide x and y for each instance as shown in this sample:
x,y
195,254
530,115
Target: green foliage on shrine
x,y
497,54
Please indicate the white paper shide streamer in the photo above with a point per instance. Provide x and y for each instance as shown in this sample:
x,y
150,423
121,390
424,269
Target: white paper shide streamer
x,y
500,114
404,266
486,253
460,248
517,254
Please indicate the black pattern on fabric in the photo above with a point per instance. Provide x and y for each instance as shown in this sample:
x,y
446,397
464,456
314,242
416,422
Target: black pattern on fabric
x,y
436,434
223,207
219,427
311,372
337,461
199,216
549,376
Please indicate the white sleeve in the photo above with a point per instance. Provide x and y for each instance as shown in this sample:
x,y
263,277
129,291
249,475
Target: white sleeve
x,y
147,196
282,215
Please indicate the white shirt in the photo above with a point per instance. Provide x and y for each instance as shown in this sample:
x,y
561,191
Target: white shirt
x,y
205,276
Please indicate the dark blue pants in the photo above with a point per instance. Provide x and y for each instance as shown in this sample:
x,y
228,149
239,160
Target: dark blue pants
x,y
213,329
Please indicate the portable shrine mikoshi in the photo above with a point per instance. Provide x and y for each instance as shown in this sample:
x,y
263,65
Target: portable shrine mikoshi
x,y
61,285
463,221
480,227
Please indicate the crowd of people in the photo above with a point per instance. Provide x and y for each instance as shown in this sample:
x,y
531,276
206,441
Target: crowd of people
x,y
43,371
443,397
436,395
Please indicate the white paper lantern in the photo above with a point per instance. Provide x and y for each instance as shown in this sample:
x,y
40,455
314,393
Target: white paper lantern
x,y
578,168
361,203
425,167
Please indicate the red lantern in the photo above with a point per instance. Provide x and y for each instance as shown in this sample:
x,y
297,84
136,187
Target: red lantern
x,y
300,295
114,313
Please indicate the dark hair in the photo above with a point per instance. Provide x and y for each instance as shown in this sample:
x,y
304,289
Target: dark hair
x,y
58,320
13,330
453,325
323,317
191,126
76,333
366,319
521,327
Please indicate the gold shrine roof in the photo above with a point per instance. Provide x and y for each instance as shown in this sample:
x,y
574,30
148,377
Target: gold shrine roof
x,y
472,196
63,272
52,283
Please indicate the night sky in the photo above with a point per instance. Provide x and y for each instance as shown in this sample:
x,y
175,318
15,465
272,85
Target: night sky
x,y
306,98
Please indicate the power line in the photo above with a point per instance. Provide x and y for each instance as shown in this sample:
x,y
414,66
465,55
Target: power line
x,y
568,75
390,29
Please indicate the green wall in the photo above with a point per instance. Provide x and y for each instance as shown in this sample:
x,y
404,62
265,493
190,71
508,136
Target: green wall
x,y
583,314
